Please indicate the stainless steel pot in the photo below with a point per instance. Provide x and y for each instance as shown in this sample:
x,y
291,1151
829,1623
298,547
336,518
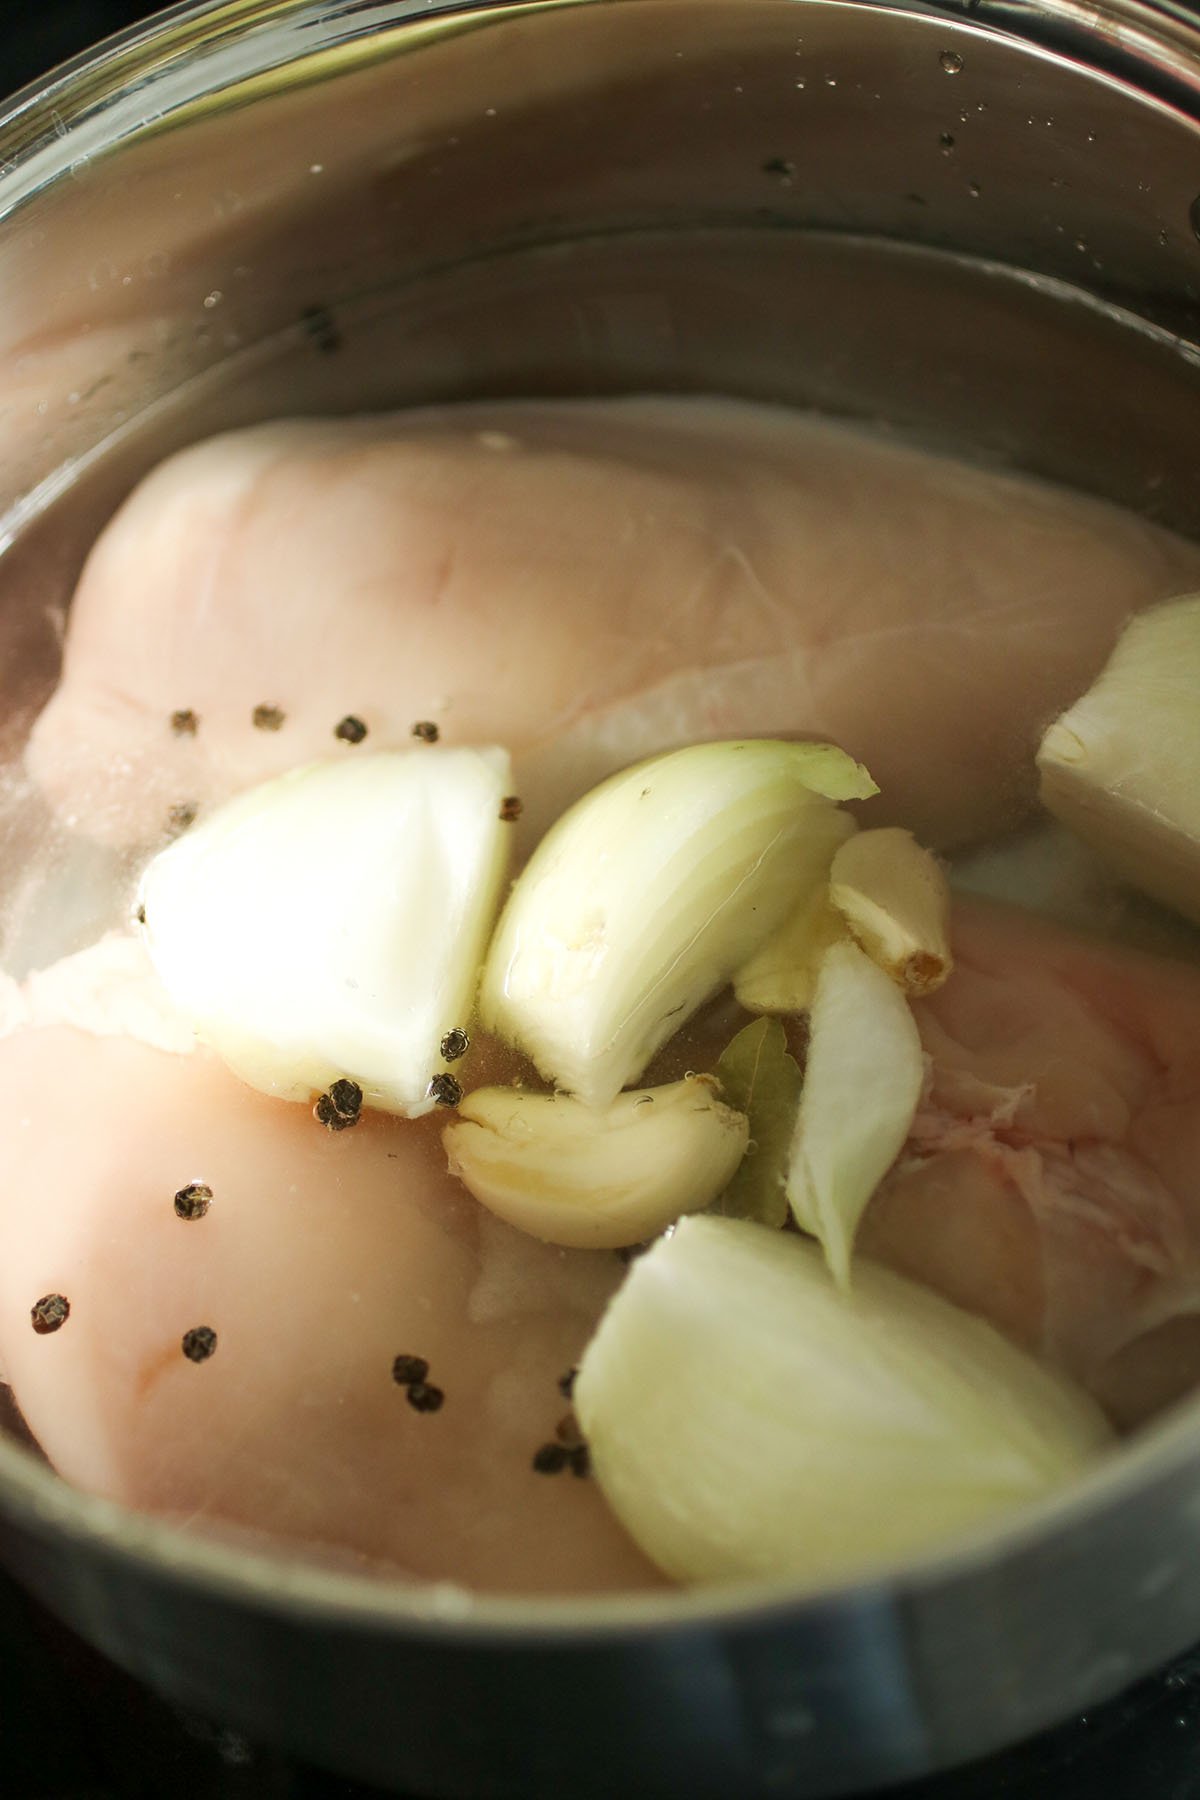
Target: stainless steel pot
x,y
979,226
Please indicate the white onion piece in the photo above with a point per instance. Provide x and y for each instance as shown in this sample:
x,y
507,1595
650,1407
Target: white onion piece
x,y
862,1082
746,1418
895,899
596,1178
332,923
1122,766
643,900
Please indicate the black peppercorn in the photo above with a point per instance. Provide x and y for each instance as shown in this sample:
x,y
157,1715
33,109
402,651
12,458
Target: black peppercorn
x,y
346,1097
199,1344
181,815
510,809
424,1397
194,1200
445,1090
455,1044
550,1459
268,718
184,722
408,1371
350,730
341,1108
50,1313
427,731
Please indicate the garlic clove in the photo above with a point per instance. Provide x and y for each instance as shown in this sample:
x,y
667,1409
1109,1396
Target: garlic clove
x,y
331,923
760,1078
1121,767
644,898
746,1418
596,1178
862,1081
781,977
895,899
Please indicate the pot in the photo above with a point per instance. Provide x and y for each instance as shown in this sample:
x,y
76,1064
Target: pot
x,y
977,225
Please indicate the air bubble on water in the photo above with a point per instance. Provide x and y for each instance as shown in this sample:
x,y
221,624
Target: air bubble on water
x,y
213,299
974,189
1081,245
951,62
963,115
800,83
316,168
1164,236
489,112
831,81
946,140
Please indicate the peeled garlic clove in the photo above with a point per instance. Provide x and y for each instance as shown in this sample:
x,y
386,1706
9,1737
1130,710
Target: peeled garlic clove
x,y
781,977
644,898
895,899
760,1079
746,1418
596,1178
862,1082
1122,766
332,923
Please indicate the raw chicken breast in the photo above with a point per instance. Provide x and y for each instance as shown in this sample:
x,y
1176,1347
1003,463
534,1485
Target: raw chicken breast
x,y
321,1259
587,582
1051,1178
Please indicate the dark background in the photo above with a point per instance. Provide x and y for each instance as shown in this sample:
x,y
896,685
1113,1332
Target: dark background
x,y
37,34
72,1728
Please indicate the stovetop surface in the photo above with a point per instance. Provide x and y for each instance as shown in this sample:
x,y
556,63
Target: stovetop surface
x,y
74,1728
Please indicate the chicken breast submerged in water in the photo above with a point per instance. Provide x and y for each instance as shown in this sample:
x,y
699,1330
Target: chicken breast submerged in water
x,y
316,1259
587,582
1049,1179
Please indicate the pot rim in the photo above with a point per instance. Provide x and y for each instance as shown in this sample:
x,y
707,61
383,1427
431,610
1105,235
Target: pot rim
x,y
298,1588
